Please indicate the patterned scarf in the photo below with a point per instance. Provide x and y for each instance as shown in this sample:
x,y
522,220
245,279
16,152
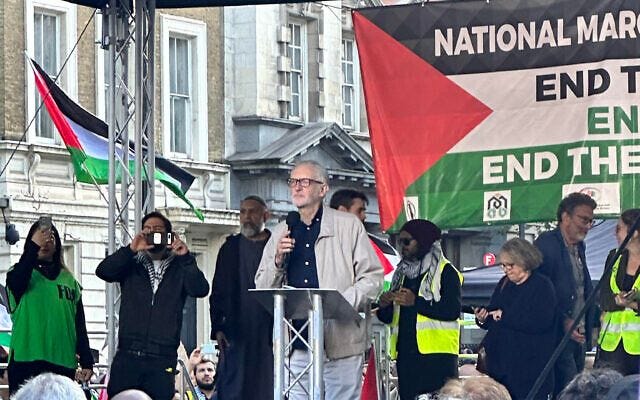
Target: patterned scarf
x,y
155,277
413,269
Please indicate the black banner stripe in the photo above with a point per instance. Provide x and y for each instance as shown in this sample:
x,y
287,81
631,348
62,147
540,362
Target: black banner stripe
x,y
415,26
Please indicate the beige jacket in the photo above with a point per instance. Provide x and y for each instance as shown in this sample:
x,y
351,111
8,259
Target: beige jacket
x,y
346,262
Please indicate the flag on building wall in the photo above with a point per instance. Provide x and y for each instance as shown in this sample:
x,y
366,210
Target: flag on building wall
x,y
487,113
86,138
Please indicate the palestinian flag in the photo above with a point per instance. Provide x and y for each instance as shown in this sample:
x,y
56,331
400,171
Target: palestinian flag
x,y
387,257
86,138
486,113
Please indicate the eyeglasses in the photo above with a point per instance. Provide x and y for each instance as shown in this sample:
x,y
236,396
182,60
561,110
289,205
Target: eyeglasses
x,y
304,182
507,265
584,220
404,241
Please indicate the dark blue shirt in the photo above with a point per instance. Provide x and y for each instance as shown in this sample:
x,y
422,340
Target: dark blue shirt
x,y
302,271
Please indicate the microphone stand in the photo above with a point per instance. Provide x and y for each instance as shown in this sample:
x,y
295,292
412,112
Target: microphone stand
x,y
587,305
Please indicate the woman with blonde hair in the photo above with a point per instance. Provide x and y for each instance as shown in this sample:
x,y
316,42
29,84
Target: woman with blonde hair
x,y
520,320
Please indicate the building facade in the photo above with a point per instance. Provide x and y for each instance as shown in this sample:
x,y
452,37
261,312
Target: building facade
x,y
293,92
38,177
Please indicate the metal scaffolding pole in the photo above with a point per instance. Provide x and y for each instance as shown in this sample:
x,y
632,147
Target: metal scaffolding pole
x,y
144,140
122,106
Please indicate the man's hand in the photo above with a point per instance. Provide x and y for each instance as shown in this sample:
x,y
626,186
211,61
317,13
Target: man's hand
x,y
405,297
576,336
84,374
178,246
139,242
284,247
386,299
194,358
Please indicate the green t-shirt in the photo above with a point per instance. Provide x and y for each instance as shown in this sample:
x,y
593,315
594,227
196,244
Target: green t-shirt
x,y
44,321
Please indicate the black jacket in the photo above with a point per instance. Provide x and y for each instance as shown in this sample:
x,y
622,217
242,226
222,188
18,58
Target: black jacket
x,y
226,292
223,303
151,323
519,345
556,265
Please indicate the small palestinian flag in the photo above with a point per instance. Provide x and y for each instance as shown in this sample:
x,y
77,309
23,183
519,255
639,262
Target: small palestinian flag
x,y
86,138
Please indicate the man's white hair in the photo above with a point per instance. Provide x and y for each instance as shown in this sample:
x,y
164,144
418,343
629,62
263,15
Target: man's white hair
x,y
49,386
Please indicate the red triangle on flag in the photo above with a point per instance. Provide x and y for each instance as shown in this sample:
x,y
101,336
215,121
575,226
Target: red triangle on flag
x,y
416,114
369,385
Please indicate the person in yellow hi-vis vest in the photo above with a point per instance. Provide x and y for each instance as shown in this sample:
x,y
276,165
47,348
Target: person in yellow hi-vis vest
x,y
619,341
422,307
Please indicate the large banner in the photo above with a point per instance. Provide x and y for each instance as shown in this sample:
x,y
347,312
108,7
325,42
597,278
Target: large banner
x,y
489,112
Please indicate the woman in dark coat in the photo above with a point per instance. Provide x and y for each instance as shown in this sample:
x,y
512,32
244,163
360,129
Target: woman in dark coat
x,y
520,322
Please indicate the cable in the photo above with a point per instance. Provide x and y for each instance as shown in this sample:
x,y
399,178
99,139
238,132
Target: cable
x,y
64,64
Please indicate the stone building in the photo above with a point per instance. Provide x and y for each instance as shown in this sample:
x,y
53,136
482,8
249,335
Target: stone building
x,y
37,175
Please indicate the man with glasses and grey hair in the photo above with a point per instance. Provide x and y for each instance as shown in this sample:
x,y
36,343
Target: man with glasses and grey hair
x,y
326,249
564,263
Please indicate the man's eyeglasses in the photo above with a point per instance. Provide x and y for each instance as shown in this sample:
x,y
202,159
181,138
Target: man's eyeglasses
x,y
304,182
584,220
507,265
404,241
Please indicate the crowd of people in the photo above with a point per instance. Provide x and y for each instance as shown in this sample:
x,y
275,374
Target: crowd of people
x,y
541,297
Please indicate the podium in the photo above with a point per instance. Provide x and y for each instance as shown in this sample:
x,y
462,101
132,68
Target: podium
x,y
314,305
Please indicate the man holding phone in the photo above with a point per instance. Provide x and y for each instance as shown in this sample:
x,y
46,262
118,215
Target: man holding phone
x,y
156,273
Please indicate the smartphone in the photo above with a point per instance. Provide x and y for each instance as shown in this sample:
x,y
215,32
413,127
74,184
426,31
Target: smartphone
x,y
470,308
45,222
207,348
160,238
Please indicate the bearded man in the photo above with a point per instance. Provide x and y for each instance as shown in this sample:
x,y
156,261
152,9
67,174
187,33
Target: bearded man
x,y
242,328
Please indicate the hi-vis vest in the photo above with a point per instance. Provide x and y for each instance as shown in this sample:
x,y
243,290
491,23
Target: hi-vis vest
x,y
432,336
621,325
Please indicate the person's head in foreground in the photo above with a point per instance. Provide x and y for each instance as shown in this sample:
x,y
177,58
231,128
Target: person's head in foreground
x,y
49,386
474,388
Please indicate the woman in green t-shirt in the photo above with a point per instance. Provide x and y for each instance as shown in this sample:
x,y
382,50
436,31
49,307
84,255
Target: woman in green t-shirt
x,y
49,330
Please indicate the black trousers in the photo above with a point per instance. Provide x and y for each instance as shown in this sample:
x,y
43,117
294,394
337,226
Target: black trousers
x,y
424,373
619,359
153,375
21,371
569,364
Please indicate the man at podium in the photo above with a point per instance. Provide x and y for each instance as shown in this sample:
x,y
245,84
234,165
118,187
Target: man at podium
x,y
325,249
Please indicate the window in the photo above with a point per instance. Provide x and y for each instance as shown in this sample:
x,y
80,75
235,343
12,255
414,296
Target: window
x,y
184,88
51,33
297,77
350,110
180,94
46,40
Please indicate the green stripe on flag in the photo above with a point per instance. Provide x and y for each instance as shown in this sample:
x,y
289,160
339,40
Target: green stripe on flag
x,y
89,169
451,193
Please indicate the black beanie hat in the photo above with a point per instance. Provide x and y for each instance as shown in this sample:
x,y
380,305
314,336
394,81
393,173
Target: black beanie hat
x,y
424,232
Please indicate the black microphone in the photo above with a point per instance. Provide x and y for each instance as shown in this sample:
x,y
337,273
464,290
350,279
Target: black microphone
x,y
293,217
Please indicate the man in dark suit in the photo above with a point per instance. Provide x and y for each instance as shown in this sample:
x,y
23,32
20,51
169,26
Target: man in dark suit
x,y
564,262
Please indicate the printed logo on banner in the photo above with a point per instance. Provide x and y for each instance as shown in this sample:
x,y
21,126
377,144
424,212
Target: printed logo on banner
x,y
411,207
606,195
497,206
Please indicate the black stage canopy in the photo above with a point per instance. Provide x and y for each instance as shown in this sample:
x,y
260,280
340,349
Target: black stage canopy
x,y
188,3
